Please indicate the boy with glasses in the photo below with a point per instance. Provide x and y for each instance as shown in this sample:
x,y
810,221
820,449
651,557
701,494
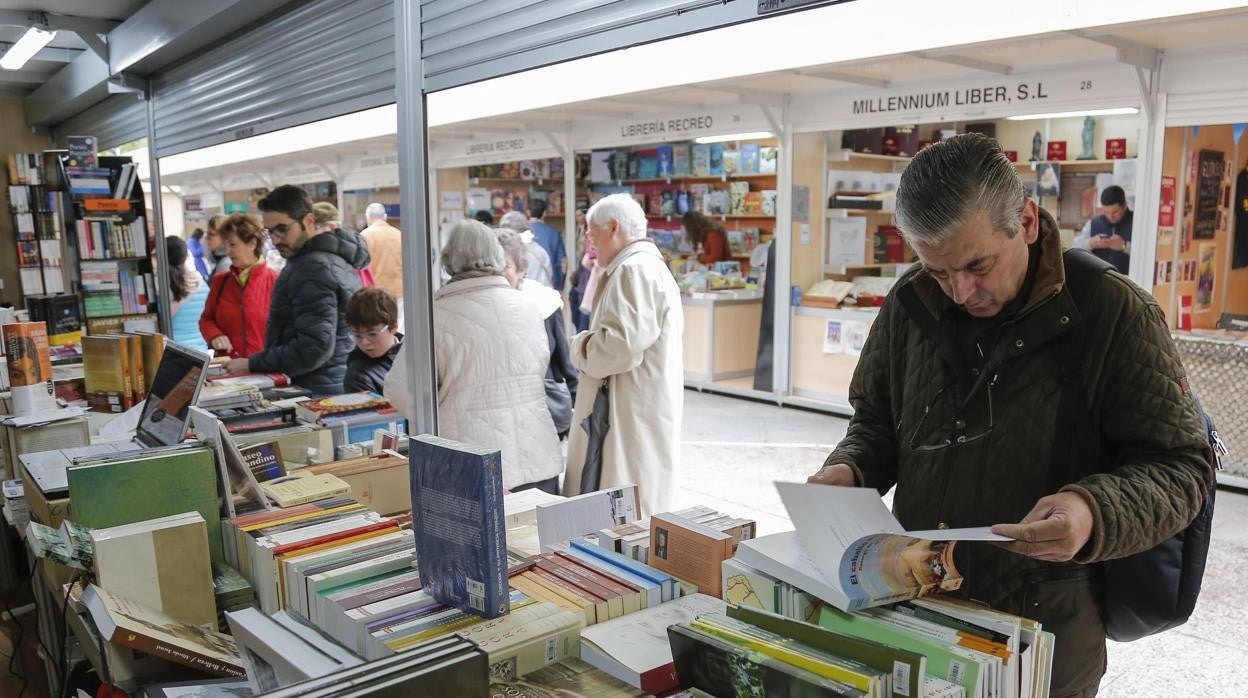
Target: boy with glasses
x,y
373,316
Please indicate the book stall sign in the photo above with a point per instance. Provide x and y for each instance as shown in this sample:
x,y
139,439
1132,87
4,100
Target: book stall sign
x,y
1165,210
669,127
519,146
1209,170
928,101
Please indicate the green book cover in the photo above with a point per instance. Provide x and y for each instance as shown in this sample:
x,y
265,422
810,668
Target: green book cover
x,y
906,667
942,661
134,487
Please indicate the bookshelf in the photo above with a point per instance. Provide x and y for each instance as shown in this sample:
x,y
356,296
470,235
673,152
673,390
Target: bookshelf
x,y
111,248
857,175
37,208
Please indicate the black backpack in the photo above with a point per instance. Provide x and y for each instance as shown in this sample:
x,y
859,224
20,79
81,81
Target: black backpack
x,y
1154,590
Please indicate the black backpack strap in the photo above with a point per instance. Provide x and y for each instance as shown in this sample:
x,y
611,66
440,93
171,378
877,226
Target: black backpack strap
x,y
1075,429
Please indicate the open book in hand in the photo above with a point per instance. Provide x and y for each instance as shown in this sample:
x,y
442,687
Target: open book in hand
x,y
862,554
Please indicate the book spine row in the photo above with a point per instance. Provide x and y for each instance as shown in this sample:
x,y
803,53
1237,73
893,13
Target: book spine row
x,y
25,168
110,239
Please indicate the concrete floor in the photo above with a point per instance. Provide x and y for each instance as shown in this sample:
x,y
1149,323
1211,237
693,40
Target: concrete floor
x,y
734,449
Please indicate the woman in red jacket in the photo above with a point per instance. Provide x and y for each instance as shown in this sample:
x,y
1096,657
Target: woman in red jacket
x,y
237,311
708,235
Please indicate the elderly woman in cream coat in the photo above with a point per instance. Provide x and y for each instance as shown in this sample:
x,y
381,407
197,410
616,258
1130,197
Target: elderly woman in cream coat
x,y
634,345
492,354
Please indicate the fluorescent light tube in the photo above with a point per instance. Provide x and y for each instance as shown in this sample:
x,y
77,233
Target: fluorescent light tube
x,y
1067,114
751,136
32,42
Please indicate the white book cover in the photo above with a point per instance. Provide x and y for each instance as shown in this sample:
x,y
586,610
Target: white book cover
x,y
637,643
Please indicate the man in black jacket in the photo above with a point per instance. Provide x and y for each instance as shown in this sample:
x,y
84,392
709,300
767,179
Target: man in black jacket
x,y
307,337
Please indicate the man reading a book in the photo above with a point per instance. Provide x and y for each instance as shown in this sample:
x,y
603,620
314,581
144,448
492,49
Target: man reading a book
x,y
958,401
307,337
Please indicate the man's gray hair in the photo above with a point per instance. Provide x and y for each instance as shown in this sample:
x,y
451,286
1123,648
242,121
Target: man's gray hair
x,y
472,246
950,182
515,248
515,221
622,209
375,212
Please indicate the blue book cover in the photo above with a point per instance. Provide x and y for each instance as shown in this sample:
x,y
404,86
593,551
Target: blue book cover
x,y
457,515
665,161
680,160
750,158
647,168
700,165
665,581
717,159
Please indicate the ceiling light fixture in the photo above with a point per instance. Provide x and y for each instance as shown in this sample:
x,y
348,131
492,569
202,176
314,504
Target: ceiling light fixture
x,y
1069,114
32,42
751,136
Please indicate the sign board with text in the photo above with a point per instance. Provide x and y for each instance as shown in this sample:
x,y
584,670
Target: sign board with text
x,y
492,149
668,127
933,101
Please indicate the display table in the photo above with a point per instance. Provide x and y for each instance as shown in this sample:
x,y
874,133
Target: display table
x,y
1216,367
822,365
721,336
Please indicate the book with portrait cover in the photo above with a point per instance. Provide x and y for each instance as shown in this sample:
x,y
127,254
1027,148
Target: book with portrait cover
x,y
458,517
30,367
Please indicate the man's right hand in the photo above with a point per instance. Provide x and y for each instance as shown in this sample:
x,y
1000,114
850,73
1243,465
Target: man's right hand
x,y
222,343
838,475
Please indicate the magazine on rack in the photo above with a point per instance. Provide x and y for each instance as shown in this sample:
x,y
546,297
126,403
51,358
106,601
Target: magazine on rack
x,y
850,552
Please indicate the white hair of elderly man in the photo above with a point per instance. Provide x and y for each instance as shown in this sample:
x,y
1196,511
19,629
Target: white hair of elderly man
x,y
622,209
375,212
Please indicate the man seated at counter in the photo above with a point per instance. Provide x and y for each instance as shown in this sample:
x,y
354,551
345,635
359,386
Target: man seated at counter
x,y
1108,236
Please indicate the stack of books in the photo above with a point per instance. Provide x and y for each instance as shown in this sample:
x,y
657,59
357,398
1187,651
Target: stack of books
x,y
231,592
280,651
115,369
353,417
633,539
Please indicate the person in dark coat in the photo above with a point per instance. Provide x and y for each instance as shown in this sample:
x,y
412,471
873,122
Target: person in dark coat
x,y
957,401
373,316
307,338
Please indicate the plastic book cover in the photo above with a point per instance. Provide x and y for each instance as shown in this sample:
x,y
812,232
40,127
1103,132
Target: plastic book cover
x,y
717,159
458,517
680,160
666,161
701,160
750,158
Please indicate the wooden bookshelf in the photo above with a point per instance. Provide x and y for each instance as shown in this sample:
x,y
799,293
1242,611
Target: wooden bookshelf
x,y
842,155
686,178
1070,164
511,180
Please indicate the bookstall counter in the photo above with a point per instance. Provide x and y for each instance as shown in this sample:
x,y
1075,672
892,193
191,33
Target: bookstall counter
x,y
721,336
1215,366
826,345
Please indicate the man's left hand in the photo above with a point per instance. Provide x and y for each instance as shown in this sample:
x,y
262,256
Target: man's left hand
x,y
1055,530
1116,243
238,366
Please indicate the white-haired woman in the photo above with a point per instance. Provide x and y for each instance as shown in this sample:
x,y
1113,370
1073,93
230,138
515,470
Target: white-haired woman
x,y
634,347
492,355
539,260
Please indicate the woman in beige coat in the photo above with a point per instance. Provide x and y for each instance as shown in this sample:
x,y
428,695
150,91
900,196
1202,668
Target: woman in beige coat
x,y
635,345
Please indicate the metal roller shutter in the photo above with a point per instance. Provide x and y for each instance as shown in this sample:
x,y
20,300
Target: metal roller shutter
x,y
116,121
468,42
1223,107
325,58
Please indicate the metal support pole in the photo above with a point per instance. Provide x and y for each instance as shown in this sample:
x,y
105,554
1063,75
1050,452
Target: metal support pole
x,y
572,260
413,180
164,298
782,275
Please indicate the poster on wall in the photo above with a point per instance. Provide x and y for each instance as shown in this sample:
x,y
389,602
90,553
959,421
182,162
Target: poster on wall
x,y
855,337
1165,238
832,338
1165,210
1205,276
1209,171
1125,177
846,241
452,201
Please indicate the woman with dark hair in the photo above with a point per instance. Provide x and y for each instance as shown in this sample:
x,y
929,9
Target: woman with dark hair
x,y
189,294
707,234
236,314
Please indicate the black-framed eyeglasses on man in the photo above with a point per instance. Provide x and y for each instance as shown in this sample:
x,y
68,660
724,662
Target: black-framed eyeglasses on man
x,y
956,435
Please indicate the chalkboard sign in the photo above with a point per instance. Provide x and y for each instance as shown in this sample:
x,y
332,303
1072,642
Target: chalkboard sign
x,y
1209,169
